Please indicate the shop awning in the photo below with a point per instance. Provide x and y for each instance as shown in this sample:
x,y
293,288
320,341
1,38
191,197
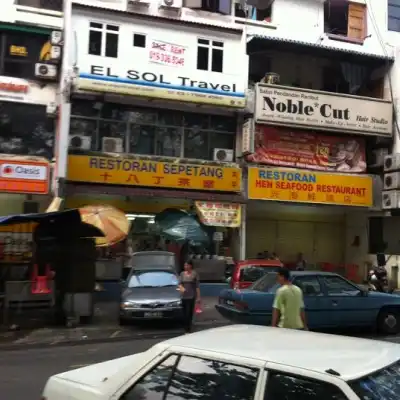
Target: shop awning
x,y
81,189
59,224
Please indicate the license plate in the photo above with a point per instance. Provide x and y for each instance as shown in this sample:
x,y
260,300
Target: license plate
x,y
153,314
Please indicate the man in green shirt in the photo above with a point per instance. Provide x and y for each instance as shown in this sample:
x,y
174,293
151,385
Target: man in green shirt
x,y
288,308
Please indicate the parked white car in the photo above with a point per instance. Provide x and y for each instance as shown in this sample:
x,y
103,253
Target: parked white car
x,y
241,362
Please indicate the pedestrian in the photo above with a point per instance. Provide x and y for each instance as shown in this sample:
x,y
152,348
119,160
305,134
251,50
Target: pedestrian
x,y
190,290
301,262
288,308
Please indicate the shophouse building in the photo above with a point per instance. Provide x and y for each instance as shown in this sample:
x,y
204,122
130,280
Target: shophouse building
x,y
155,105
28,89
323,112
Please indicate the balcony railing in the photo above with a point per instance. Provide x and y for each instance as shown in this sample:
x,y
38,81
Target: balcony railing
x,y
53,5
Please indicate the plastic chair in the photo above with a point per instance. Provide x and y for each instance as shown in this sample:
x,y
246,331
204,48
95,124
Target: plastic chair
x,y
40,282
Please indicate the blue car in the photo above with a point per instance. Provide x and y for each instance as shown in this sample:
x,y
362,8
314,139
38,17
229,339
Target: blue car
x,y
331,301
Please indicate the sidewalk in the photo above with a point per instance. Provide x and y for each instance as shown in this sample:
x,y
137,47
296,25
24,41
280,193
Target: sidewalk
x,y
105,328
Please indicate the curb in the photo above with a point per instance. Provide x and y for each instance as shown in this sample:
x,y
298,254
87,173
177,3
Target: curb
x,y
135,337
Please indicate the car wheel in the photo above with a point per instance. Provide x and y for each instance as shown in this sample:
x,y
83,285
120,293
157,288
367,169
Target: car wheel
x,y
389,321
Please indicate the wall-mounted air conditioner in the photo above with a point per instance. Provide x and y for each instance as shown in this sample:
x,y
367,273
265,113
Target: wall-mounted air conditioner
x,y
391,200
223,155
55,53
112,145
171,4
46,71
139,3
80,142
391,181
392,163
56,38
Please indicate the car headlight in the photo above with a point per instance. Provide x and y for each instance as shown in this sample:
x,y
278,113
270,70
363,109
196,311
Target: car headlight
x,y
175,303
129,304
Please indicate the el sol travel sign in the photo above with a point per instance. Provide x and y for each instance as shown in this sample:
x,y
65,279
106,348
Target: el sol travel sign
x,y
286,106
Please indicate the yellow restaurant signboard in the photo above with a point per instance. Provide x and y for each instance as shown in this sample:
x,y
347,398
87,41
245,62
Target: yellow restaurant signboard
x,y
134,172
302,186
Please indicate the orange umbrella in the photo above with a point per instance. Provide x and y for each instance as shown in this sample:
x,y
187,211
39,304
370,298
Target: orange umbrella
x,y
112,222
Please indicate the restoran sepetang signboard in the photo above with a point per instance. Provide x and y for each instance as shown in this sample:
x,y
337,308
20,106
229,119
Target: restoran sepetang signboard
x,y
287,106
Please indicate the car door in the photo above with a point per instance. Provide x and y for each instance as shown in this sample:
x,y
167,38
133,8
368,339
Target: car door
x,y
182,377
313,300
345,302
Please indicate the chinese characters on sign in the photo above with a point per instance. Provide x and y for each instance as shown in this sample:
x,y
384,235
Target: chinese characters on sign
x,y
309,187
131,172
167,53
227,215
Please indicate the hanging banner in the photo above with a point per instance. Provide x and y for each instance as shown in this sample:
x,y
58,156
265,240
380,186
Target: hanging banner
x,y
227,215
296,148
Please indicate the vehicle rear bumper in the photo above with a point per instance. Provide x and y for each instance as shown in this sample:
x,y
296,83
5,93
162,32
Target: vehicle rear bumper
x,y
243,317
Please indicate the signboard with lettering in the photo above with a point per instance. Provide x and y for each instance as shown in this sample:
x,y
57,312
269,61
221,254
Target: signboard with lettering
x,y
167,53
287,106
301,186
226,215
137,172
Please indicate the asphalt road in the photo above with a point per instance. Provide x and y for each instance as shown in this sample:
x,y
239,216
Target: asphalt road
x,y
24,372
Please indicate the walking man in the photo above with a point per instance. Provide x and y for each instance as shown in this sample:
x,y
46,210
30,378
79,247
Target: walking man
x,y
288,308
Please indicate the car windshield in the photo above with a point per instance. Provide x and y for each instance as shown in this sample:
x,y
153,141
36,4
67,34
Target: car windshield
x,y
267,283
383,385
252,273
150,279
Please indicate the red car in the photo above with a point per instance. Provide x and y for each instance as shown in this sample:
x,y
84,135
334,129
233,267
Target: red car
x,y
247,272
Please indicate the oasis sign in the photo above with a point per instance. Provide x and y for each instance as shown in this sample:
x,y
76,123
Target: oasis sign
x,y
161,85
286,106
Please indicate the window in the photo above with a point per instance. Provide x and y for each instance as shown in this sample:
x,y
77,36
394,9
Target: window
x,y
139,40
152,132
152,279
210,55
285,387
252,273
252,13
309,285
394,15
345,20
198,378
152,386
383,385
266,284
103,40
215,6
336,286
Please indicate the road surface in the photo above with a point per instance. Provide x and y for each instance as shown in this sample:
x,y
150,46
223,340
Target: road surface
x,y
24,372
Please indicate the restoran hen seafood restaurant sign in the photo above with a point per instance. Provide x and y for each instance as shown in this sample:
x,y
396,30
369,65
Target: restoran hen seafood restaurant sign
x,y
287,106
139,172
301,186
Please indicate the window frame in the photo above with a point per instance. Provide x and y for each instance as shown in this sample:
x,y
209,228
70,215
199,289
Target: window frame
x,y
325,286
210,46
205,355
316,277
104,31
305,375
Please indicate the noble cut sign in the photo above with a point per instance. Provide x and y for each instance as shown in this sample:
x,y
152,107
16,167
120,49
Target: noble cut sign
x,y
286,106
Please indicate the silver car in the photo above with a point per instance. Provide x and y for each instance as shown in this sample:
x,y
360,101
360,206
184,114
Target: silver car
x,y
150,292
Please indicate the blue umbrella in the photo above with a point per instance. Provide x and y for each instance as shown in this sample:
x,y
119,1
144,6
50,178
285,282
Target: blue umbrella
x,y
181,227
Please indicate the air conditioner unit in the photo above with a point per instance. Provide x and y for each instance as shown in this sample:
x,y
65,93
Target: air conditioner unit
x,y
391,200
80,142
223,155
379,157
56,38
45,71
391,181
171,4
392,163
112,145
55,53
